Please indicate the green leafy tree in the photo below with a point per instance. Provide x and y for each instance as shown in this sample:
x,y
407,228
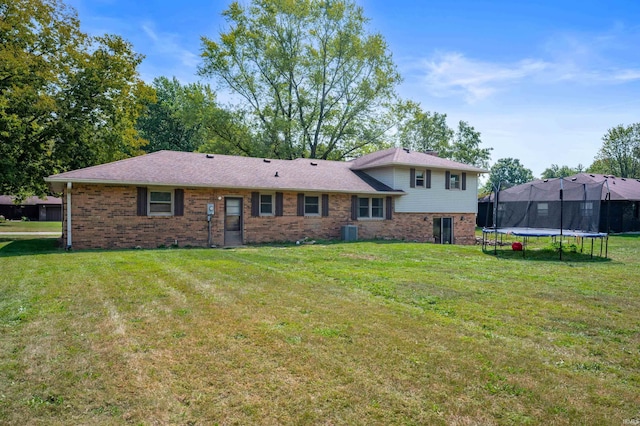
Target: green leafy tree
x,y
507,172
466,147
425,131
311,81
66,100
620,152
181,119
556,171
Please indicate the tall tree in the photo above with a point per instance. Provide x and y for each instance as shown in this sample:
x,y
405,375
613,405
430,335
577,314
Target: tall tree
x,y
312,81
426,131
66,100
620,152
507,172
181,117
556,171
466,147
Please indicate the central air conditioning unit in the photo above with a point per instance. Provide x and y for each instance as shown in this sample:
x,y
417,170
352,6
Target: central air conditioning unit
x,y
349,233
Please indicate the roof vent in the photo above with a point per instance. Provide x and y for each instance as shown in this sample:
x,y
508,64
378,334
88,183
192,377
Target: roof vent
x,y
209,155
592,175
574,179
277,175
406,150
546,180
623,179
266,161
313,163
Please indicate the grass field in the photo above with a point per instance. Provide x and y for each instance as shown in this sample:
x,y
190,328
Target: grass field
x,y
35,226
357,333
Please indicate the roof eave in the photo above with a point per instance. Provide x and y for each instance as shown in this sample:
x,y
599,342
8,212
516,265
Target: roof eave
x,y
436,167
56,181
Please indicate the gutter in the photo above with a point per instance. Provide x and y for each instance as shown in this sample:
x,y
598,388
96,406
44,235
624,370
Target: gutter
x,y
69,240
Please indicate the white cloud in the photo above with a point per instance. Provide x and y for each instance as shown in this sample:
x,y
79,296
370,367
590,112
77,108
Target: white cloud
x,y
582,59
453,73
168,45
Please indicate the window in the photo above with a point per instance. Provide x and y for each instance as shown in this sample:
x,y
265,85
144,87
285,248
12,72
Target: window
x,y
420,178
311,205
586,209
371,207
160,203
266,205
543,209
454,181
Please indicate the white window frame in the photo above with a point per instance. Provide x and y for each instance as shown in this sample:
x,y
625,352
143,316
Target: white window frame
x,y
319,205
542,212
170,203
455,181
586,208
273,203
421,178
370,208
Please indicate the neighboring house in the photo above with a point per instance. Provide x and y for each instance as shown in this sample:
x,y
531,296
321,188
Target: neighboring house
x,y
193,199
32,208
620,214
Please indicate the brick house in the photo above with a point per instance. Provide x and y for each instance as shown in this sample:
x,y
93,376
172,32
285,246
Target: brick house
x,y
193,199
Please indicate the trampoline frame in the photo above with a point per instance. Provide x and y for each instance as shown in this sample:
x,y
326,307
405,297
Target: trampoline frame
x,y
526,233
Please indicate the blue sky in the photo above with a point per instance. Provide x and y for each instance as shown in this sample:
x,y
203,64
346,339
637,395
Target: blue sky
x,y
541,80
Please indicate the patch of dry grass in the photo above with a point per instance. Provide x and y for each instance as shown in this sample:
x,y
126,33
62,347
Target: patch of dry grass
x,y
359,333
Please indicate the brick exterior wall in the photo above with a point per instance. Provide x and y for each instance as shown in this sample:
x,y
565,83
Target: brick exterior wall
x,y
105,216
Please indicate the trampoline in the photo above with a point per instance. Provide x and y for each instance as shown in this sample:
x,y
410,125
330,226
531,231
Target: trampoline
x,y
526,233
549,208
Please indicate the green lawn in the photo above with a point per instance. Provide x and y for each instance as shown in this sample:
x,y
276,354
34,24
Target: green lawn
x,y
35,226
358,333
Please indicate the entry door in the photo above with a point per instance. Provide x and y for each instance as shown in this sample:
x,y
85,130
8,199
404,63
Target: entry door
x,y
233,221
443,230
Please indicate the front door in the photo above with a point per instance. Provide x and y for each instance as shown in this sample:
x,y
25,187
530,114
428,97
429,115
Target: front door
x,y
443,230
233,221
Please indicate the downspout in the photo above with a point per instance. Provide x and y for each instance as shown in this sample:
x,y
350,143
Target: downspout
x,y
68,247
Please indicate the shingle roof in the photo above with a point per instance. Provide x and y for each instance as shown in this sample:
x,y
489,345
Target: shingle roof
x,y
406,157
621,189
187,169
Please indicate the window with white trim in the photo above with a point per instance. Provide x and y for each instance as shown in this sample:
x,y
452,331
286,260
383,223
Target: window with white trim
x,y
454,181
371,207
586,209
266,205
311,205
543,209
160,202
420,178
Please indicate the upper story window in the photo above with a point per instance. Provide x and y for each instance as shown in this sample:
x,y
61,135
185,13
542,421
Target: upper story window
x,y
160,203
454,181
371,208
266,204
311,205
586,209
420,178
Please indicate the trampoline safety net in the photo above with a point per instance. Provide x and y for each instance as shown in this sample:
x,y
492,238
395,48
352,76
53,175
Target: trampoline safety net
x,y
554,204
